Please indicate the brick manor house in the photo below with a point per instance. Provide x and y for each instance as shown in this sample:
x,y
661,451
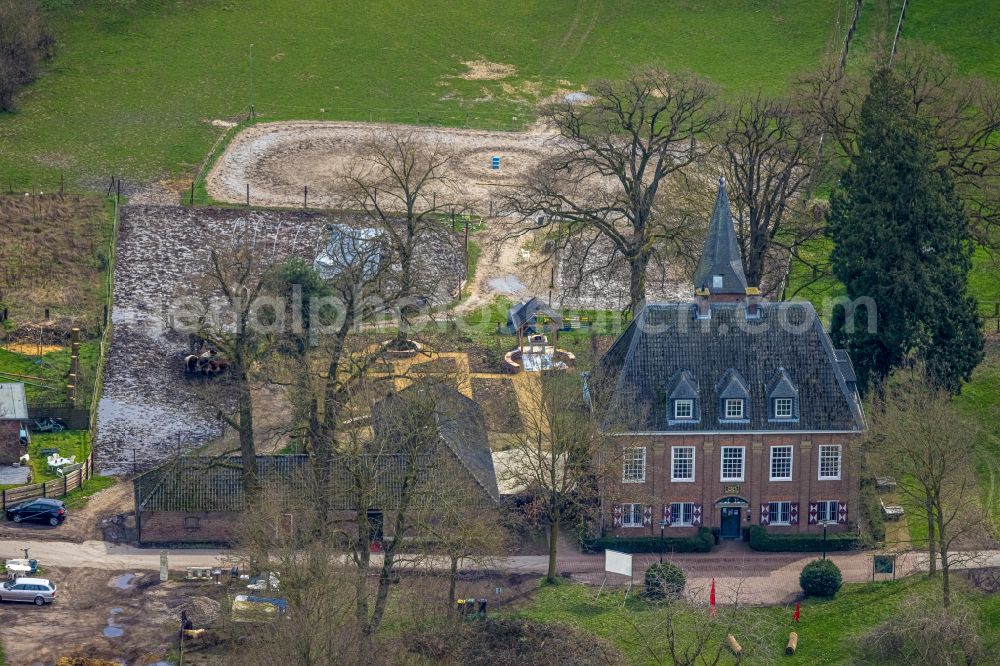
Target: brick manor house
x,y
729,411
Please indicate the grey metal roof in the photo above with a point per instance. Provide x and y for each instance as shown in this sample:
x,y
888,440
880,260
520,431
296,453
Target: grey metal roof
x,y
13,405
722,252
637,374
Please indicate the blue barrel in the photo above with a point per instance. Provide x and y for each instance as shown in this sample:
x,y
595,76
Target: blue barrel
x,y
495,162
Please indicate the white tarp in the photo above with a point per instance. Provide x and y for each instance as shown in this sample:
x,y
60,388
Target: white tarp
x,y
619,563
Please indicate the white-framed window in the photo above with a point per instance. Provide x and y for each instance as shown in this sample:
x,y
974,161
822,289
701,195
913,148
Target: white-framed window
x,y
734,408
632,515
829,462
634,465
781,463
780,512
682,463
732,463
681,514
783,408
826,510
716,282
683,409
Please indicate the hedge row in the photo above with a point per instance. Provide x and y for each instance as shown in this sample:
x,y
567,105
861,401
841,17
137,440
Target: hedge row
x,y
800,543
702,543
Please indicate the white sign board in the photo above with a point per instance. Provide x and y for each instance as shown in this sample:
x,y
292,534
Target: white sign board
x,y
619,563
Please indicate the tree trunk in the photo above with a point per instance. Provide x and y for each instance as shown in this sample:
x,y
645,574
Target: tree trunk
x,y
945,563
637,282
550,575
248,452
931,550
452,580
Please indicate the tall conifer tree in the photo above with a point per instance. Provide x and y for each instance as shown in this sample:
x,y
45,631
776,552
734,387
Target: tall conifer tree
x,y
900,238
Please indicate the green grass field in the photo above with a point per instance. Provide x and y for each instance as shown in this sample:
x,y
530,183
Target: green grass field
x,y
135,85
53,369
69,442
827,629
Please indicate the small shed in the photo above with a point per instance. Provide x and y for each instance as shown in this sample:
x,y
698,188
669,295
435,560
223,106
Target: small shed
x,y
533,316
13,422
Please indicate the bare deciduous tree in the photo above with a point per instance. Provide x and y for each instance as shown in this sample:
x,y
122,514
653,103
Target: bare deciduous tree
x,y
769,156
401,183
616,151
962,114
920,439
25,41
558,458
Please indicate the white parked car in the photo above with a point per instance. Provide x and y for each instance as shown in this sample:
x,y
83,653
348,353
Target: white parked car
x,y
38,591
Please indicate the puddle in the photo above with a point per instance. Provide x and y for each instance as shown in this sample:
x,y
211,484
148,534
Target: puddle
x,y
113,630
123,582
507,285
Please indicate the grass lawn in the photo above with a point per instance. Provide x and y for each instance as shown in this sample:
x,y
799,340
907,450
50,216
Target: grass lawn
x,y
134,86
69,442
826,631
980,400
77,498
53,368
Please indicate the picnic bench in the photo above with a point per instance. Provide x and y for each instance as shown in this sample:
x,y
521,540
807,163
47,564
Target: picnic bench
x,y
891,511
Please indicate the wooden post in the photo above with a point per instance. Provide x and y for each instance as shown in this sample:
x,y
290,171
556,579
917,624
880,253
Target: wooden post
x,y
65,484
305,196
118,191
74,366
734,645
466,249
62,183
248,195
191,200
793,643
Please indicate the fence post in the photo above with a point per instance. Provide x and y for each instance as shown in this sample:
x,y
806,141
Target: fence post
x,y
43,490
191,201
5,499
65,485
248,195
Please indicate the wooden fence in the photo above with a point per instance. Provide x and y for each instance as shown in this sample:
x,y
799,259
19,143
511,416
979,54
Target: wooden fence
x,y
55,488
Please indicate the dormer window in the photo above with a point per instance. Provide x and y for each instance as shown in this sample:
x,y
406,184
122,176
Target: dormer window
x,y
734,398
734,408
783,408
717,282
682,399
782,397
683,410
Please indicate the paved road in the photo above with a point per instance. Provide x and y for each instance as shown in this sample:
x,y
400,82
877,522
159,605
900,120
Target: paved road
x,y
753,578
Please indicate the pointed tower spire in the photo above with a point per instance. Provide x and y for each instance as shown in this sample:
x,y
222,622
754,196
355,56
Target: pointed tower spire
x,y
720,269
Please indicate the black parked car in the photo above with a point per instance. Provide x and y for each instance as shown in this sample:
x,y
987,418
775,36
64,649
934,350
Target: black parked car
x,y
41,510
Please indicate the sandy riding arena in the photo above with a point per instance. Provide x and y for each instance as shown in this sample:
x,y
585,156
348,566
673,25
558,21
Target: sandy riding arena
x,y
150,409
279,159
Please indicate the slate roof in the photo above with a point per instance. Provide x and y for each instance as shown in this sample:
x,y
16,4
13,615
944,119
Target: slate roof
x,y
461,424
207,483
722,251
13,405
666,341
524,313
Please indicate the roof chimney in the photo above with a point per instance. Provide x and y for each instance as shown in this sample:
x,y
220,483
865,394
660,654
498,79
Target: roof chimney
x,y
701,298
753,303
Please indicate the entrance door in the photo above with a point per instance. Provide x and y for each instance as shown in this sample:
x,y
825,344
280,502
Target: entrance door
x,y
730,525
375,523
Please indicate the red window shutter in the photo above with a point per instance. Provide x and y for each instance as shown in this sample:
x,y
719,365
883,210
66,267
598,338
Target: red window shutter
x,y
813,513
647,515
842,513
666,514
765,514
696,515
793,513
617,512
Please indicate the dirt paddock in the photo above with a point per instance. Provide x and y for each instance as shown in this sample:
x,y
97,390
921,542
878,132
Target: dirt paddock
x,y
278,159
150,410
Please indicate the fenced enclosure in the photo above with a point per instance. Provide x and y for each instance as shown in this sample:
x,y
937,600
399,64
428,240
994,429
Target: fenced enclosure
x,y
60,487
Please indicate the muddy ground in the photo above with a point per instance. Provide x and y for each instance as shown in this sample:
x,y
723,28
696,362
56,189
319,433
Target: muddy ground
x,y
127,616
150,409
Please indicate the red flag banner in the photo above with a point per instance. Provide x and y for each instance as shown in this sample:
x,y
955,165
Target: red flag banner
x,y
798,605
711,598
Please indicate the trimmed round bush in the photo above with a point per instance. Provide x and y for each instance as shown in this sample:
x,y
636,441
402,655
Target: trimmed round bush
x,y
664,581
820,578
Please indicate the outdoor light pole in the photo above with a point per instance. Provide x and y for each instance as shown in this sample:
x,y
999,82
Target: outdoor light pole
x,y
663,542
825,523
